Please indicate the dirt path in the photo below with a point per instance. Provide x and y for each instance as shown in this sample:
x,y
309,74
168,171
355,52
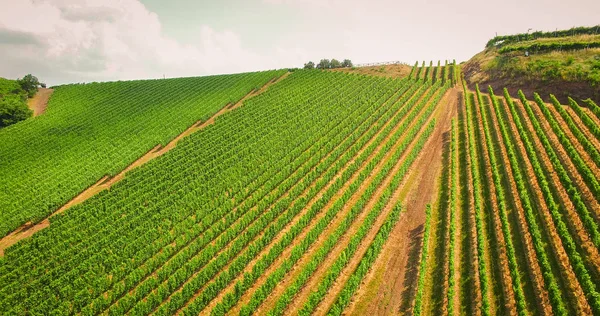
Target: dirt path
x,y
394,274
440,113
106,182
39,102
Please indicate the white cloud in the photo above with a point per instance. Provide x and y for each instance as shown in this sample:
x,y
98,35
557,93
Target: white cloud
x,y
107,40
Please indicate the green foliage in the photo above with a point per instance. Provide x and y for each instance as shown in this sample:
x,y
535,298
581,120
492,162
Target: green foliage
x,y
555,295
29,84
484,278
176,232
98,129
507,39
581,272
502,201
551,46
13,103
8,86
12,110
329,64
309,65
324,64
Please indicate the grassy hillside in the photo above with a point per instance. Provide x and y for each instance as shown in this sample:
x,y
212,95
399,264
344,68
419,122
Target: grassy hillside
x,y
97,129
565,63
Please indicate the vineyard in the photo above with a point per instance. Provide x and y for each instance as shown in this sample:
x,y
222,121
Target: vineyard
x,y
356,191
283,203
98,130
516,223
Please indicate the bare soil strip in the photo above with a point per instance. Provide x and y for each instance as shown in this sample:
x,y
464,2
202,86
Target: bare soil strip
x,y
106,182
575,291
393,276
534,271
505,277
39,102
337,286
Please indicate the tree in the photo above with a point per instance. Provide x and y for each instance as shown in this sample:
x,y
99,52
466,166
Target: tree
x,y
324,64
12,110
335,63
30,84
309,65
347,63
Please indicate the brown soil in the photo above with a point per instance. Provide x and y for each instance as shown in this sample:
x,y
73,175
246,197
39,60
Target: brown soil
x,y
394,273
106,182
506,280
394,71
534,271
573,219
584,129
39,102
591,201
589,113
574,289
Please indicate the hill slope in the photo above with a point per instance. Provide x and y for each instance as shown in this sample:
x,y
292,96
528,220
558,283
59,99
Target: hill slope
x,y
97,129
564,63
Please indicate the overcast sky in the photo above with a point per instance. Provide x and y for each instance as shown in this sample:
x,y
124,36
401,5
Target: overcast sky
x,y
63,41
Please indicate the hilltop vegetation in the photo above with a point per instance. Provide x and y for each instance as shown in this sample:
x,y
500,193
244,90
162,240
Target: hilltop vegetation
x,y
565,63
13,102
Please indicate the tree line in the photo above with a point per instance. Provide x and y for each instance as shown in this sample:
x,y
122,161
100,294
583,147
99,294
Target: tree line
x,y
13,99
329,64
